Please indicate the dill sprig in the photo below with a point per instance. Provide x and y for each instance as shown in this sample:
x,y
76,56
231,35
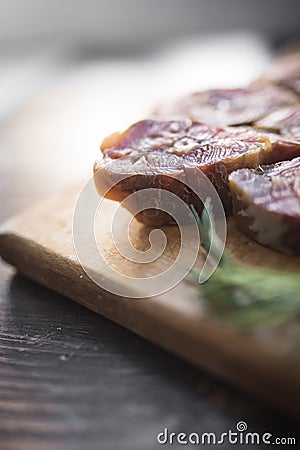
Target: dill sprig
x,y
243,295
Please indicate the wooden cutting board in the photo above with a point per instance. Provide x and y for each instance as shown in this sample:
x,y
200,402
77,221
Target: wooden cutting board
x,y
266,363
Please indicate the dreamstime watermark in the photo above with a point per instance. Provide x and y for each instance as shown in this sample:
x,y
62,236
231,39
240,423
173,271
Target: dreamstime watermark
x,y
91,219
239,436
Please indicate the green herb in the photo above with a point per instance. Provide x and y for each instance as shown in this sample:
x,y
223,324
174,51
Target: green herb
x,y
247,297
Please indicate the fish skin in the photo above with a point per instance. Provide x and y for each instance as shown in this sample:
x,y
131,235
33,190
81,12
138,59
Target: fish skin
x,y
152,152
266,204
225,107
282,120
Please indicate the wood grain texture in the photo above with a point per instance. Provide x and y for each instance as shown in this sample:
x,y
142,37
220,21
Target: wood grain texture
x,y
266,364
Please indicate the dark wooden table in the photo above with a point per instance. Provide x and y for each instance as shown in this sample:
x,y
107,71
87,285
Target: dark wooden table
x,y
69,379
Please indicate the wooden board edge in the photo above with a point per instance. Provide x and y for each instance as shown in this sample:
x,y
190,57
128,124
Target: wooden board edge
x,y
236,359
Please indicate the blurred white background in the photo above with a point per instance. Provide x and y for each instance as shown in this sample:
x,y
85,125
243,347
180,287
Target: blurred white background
x,y
39,40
